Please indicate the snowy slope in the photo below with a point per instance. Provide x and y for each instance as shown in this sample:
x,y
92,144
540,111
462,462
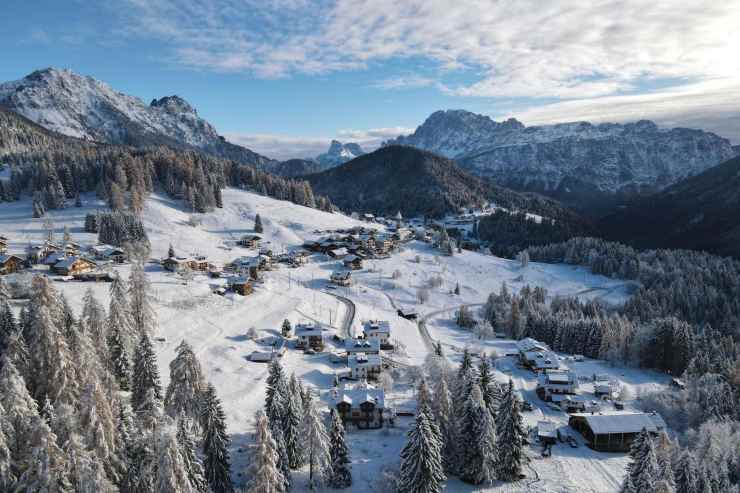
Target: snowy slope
x,y
216,325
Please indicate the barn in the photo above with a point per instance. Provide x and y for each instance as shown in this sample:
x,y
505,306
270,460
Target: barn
x,y
615,432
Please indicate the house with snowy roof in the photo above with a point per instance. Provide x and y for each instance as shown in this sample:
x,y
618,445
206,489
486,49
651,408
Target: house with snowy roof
x,y
362,346
10,264
615,432
341,278
249,241
365,366
109,253
362,405
551,381
353,262
378,330
310,335
70,266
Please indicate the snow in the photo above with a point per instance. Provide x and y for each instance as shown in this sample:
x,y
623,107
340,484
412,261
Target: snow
x,y
216,326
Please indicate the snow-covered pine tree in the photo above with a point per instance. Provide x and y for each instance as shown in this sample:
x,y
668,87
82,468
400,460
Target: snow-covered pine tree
x,y
45,466
286,328
85,470
216,463
170,472
171,252
643,472
422,470
98,427
464,381
142,314
340,476
93,321
190,458
47,411
119,364
276,393
186,384
442,409
8,325
283,461
145,376
687,473
119,315
488,386
292,422
315,445
258,224
7,475
266,476
4,290
478,433
20,409
510,434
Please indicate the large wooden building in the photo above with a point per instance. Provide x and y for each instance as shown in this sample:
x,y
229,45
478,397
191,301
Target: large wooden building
x,y
71,266
10,264
615,432
362,406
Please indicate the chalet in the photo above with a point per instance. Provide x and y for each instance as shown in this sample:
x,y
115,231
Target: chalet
x,y
241,285
363,406
365,366
70,266
247,265
36,254
341,278
10,264
547,432
362,346
575,403
276,351
403,234
249,241
175,264
108,253
337,253
353,262
199,262
3,245
368,217
407,313
604,388
383,244
615,432
538,362
309,335
299,257
54,258
379,330
551,382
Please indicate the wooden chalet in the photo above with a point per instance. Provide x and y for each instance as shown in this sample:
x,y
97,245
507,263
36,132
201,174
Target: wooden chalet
x,y
249,241
10,264
337,253
353,262
615,432
109,253
378,330
71,266
309,335
341,278
547,432
176,264
3,245
365,366
551,382
241,285
362,406
362,346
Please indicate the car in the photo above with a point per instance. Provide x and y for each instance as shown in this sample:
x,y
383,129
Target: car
x,y
331,286
619,405
309,350
527,406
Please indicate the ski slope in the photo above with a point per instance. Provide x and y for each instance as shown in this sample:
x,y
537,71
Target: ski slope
x,y
216,326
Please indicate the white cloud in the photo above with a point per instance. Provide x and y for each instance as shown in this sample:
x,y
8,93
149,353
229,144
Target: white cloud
x,y
710,105
282,147
404,82
570,49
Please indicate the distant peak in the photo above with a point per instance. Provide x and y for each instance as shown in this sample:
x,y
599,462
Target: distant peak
x,y
173,104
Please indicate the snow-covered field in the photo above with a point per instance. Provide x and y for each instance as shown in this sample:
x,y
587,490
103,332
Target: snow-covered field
x,y
216,326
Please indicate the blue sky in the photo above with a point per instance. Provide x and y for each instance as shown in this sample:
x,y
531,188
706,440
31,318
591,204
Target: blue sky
x,y
285,76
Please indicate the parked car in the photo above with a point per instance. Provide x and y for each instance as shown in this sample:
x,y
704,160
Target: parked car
x,y
527,406
619,405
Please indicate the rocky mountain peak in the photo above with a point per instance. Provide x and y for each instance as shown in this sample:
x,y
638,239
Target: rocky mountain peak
x,y
173,104
339,153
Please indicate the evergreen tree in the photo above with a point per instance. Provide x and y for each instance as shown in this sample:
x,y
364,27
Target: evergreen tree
x,y
315,445
283,462
170,471
478,433
275,398
190,458
291,423
119,362
510,433
145,376
171,252
340,476
266,476
216,462
20,409
186,384
442,408
422,470
643,471
286,329
142,314
258,224
7,475
44,468
5,294
687,474
8,326
119,315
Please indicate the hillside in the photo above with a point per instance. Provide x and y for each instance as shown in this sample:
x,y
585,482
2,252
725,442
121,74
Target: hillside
x,y
701,212
86,108
592,167
294,167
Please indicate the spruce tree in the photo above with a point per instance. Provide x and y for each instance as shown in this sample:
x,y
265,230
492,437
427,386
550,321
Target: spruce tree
x,y
44,467
291,423
422,470
442,409
7,474
8,326
510,433
142,314
145,376
216,463
119,315
170,470
643,471
186,384
478,434
258,224
687,473
266,476
119,362
340,476
283,462
171,252
190,458
276,390
315,445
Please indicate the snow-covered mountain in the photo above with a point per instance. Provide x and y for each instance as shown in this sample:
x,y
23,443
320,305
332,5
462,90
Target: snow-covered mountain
x,y
574,162
339,153
86,108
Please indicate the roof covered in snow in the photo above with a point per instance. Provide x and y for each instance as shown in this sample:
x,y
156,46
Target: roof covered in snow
x,y
377,327
361,345
361,394
604,424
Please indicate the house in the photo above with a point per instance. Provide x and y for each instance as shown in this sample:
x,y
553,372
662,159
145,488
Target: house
x,y
337,253
363,346
379,330
368,217
55,257
353,262
71,266
299,257
538,362
241,285
309,335
107,252
407,313
246,265
37,253
276,351
176,264
3,245
575,403
364,366
606,388
551,382
249,241
363,406
547,432
615,432
10,264
341,278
